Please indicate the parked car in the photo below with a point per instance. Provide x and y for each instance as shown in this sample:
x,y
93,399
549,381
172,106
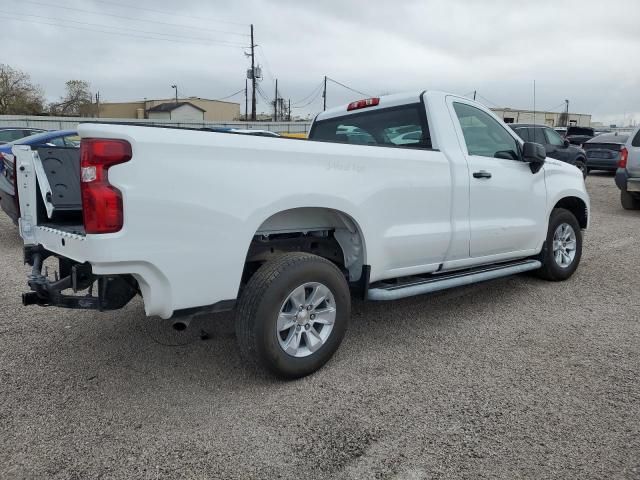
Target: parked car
x,y
628,172
604,151
11,134
579,135
254,131
283,231
59,138
554,145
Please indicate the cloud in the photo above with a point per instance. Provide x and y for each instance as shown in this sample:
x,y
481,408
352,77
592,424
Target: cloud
x,y
576,50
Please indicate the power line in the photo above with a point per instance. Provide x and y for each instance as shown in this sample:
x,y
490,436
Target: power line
x,y
173,14
121,34
203,39
348,88
316,95
92,12
232,95
489,101
557,106
315,90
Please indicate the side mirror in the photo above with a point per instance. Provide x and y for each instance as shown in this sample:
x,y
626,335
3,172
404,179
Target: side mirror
x,y
535,154
566,142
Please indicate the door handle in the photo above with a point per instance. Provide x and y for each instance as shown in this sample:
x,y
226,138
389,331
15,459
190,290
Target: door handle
x,y
481,174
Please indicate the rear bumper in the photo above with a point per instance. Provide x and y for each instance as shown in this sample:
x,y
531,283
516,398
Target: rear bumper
x,y
625,182
113,291
602,164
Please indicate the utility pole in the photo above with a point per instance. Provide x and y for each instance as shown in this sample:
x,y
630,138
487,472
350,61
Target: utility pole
x,y
324,94
253,78
246,100
98,104
566,121
176,88
474,94
275,104
289,111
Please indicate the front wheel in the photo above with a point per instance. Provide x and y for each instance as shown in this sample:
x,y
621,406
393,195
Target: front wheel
x,y
563,249
293,314
582,167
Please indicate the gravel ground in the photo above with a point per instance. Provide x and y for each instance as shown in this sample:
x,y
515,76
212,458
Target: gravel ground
x,y
516,378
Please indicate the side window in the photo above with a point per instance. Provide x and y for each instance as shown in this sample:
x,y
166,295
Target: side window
x,y
538,136
523,133
553,138
56,142
403,126
10,135
636,140
484,135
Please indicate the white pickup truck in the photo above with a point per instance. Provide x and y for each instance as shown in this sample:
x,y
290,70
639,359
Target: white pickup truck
x,y
390,197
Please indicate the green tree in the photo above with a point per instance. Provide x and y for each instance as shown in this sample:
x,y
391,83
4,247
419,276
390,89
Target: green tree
x,y
18,96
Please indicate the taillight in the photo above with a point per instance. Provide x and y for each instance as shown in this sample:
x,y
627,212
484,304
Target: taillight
x,y
101,201
622,162
369,102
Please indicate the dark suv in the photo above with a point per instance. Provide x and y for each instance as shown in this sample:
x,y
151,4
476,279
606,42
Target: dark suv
x,y
556,146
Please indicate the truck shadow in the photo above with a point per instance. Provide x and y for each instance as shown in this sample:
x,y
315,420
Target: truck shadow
x,y
148,352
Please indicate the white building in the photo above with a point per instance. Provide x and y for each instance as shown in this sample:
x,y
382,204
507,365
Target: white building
x,y
181,111
551,119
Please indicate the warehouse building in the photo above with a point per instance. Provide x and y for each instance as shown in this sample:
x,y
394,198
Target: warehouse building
x,y
551,119
185,109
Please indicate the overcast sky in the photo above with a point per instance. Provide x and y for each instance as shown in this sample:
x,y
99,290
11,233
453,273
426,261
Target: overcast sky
x,y
584,51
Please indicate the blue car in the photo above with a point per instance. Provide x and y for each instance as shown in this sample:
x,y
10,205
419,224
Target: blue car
x,y
8,198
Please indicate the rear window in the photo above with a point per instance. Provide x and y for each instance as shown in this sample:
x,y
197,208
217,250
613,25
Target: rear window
x,y
609,138
580,131
636,140
403,126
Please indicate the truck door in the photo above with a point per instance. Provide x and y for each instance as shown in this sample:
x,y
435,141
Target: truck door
x,y
507,203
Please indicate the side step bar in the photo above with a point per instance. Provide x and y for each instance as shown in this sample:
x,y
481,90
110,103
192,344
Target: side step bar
x,y
434,283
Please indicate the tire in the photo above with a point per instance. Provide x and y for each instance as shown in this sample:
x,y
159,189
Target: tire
x,y
629,202
552,269
270,295
582,166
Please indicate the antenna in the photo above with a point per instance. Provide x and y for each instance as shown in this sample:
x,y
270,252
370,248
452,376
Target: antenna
x,y
534,101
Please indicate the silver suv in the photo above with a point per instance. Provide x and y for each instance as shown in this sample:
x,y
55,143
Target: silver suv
x,y
628,173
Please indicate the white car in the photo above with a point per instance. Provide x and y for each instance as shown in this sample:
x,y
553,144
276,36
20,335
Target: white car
x,y
284,232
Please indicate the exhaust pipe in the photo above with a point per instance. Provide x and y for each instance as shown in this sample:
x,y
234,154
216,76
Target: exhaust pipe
x,y
181,325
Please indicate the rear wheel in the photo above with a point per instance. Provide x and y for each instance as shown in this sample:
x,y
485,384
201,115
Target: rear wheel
x,y
629,202
563,249
293,314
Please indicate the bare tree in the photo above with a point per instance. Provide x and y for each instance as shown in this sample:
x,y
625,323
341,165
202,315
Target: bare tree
x,y
18,96
76,99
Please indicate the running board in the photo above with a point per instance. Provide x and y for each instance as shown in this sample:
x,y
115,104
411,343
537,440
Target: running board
x,y
450,280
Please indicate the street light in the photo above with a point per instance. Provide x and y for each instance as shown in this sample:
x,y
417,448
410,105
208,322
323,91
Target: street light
x,y
176,88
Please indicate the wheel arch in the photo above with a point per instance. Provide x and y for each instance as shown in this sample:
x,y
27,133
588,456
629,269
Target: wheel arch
x,y
577,207
335,223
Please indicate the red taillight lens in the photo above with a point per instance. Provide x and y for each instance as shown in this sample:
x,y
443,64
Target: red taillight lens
x,y
622,162
101,202
369,102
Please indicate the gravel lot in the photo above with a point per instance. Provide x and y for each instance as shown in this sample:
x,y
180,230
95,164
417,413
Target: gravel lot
x,y
516,378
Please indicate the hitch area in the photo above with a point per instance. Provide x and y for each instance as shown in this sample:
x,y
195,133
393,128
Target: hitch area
x,y
113,291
